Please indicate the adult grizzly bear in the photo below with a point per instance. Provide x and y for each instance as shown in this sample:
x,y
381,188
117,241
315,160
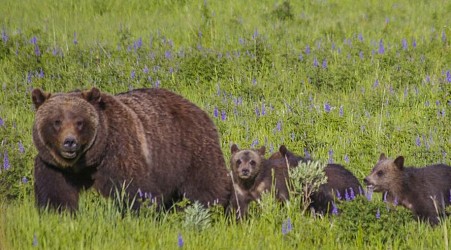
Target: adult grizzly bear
x,y
422,190
339,181
151,141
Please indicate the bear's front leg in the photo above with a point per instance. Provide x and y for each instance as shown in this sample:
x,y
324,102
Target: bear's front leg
x,y
52,188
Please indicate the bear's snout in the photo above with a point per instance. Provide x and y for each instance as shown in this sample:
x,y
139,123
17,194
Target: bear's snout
x,y
70,143
245,172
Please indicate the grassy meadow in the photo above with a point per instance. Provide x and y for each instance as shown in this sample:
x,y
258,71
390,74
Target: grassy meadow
x,y
341,81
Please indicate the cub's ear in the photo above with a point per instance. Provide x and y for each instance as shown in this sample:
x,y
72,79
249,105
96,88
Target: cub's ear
x,y
399,162
262,150
283,150
382,157
234,149
93,96
38,96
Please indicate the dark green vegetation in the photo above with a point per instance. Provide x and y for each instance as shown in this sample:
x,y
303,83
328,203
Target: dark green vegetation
x,y
340,80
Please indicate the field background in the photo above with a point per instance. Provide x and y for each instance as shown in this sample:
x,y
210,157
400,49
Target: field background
x,y
341,81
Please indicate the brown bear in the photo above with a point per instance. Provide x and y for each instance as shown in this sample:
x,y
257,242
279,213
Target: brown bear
x,y
148,141
422,190
253,174
341,183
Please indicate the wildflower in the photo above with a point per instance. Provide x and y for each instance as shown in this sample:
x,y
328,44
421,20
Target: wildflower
x,y
351,193
360,37
167,54
378,214
395,201
138,43
300,57
279,126
341,111
255,35
140,193
254,81
418,141
385,197
286,226
180,240
37,51
331,153
443,37
21,148
307,50
315,62
448,76
361,55
426,103
347,197
1,122
327,107
414,43
254,143
360,190
146,70
41,73
223,115
55,51
24,180
257,112
263,109
404,44
215,112
132,74
6,165
381,47
75,38
339,195
306,153
157,83
376,83
241,41
334,209
346,158
369,194
35,240
324,64
34,40
4,36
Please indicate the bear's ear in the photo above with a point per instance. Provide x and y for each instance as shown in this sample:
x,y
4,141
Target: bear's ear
x,y
399,162
382,157
262,150
283,150
38,96
234,149
93,96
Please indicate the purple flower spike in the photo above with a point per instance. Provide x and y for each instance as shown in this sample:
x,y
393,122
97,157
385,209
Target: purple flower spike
x,y
346,158
327,107
4,36
24,180
21,148
381,47
334,209
443,37
418,141
378,214
6,165
315,62
223,115
35,240
351,193
34,40
341,112
263,109
324,64
216,112
279,126
75,38
2,123
180,241
347,197
339,195
385,197
286,226
404,44
307,50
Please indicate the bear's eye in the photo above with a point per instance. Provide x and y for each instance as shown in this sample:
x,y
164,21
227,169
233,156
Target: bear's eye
x,y
252,162
79,125
57,124
380,173
238,162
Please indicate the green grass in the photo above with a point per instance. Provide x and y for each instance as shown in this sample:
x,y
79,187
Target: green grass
x,y
237,57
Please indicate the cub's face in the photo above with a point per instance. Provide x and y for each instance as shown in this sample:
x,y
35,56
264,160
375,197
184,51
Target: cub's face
x,y
385,174
66,125
246,164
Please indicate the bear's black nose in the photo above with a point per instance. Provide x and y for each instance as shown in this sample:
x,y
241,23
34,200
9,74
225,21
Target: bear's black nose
x,y
70,143
245,171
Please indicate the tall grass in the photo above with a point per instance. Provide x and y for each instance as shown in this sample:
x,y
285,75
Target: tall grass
x,y
342,81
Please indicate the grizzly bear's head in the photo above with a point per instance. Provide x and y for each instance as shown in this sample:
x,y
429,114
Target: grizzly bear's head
x,y
386,174
65,125
246,164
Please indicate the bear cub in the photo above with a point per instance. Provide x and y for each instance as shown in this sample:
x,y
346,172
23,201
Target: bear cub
x,y
422,190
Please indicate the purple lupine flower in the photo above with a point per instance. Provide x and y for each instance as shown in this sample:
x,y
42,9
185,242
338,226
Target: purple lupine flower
x,y
4,36
360,37
55,51
157,83
346,158
395,201
263,109
21,148
449,196
167,54
387,20
339,195
414,43
41,73
307,50
341,112
376,83
443,37
180,241
351,193
254,81
2,123
315,62
437,103
381,47
255,35
37,51
347,197
241,40
324,64
24,180
327,107
132,74
35,241
216,112
254,143
300,57
426,103
404,44
369,194
306,153
140,193
75,38
361,55
257,112
448,76
360,190
279,126
418,141
146,70
384,199
29,77
331,153
334,209
6,165
34,40
286,226
378,214
292,136
138,43
223,115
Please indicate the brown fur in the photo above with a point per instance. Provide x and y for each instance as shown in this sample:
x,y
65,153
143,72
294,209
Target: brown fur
x,y
339,179
414,188
151,140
